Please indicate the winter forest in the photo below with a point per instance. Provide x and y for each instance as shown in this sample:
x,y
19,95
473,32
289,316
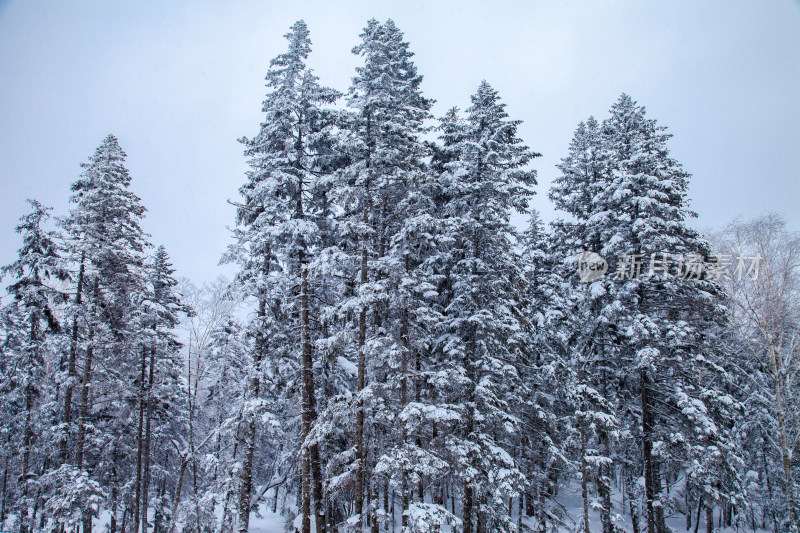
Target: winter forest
x,y
395,352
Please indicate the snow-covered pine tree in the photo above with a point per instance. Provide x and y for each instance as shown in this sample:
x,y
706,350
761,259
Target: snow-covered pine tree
x,y
282,203
27,384
382,140
548,374
160,401
107,244
647,330
483,333
669,349
590,345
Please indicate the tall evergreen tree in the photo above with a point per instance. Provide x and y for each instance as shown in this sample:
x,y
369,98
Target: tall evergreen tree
x,y
282,203
382,140
160,403
34,289
629,199
106,241
592,342
483,331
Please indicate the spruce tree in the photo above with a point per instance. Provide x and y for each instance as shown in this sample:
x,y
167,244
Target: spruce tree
x,y
650,325
105,240
591,344
160,406
36,275
382,142
482,331
278,226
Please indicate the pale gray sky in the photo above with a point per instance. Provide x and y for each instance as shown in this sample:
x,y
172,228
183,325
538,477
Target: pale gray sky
x,y
179,82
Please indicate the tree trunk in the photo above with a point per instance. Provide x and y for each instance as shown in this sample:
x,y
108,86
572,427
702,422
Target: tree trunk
x,y
4,494
466,508
404,401
469,494
374,502
85,384
647,447
82,418
71,365
139,443
229,496
176,497
305,490
480,522
362,338
147,439
114,491
318,493
246,490
699,508
658,509
634,516
26,444
112,524
27,432
584,480
766,476
437,491
247,476
786,449
311,475
604,486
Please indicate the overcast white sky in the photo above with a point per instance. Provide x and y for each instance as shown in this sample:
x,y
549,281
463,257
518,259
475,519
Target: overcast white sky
x,y
180,82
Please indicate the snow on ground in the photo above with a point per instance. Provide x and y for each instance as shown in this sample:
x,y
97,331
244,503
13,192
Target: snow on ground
x,y
268,522
572,502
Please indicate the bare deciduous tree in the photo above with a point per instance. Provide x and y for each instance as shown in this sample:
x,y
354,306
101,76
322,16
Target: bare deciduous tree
x,y
764,285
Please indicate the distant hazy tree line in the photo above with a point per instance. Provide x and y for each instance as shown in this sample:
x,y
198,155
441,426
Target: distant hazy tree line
x,y
393,353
